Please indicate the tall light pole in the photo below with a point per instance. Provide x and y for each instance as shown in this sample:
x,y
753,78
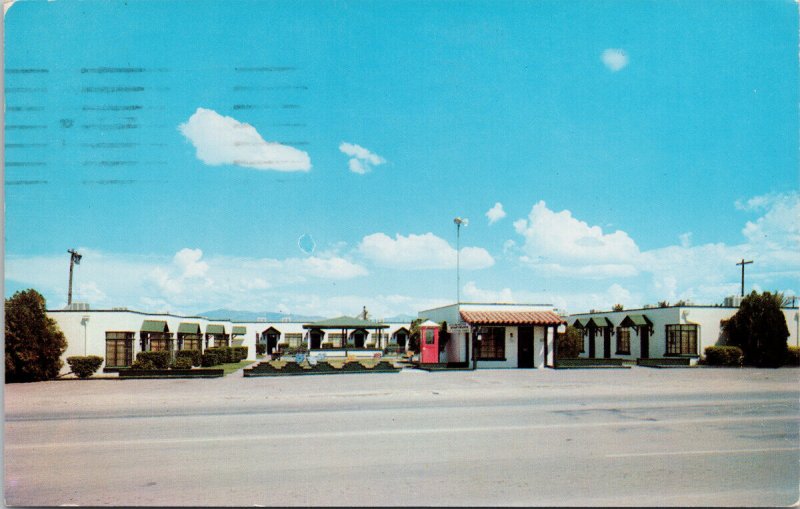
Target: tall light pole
x,y
74,259
743,263
459,221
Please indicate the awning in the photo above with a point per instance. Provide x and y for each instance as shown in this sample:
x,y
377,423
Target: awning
x,y
511,318
239,330
635,321
188,328
345,322
600,322
154,326
581,323
215,329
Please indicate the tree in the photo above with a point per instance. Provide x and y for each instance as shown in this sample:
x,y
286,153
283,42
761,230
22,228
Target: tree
x,y
570,343
759,329
413,335
34,342
444,336
617,307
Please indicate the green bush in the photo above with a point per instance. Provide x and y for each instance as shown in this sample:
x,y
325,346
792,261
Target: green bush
x,y
224,354
261,349
196,356
759,329
793,356
241,352
210,359
724,356
160,360
84,367
143,364
34,342
569,344
182,363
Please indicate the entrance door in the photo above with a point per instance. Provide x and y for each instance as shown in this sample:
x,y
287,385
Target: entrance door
x,y
644,342
591,343
316,339
525,347
272,342
607,342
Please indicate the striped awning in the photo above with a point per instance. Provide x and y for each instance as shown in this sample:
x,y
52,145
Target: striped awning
x,y
511,318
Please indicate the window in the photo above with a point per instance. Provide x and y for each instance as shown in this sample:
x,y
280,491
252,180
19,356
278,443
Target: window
x,y
623,340
491,344
159,344
682,339
294,339
119,349
221,340
191,342
429,336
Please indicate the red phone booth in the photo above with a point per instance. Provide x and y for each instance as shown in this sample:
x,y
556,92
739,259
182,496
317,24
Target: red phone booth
x,y
429,342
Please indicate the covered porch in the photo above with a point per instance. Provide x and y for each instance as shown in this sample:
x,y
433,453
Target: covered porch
x,y
345,334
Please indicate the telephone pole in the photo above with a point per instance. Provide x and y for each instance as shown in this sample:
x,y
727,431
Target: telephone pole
x,y
74,259
743,263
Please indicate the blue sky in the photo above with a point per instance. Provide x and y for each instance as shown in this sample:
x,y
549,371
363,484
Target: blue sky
x,y
636,149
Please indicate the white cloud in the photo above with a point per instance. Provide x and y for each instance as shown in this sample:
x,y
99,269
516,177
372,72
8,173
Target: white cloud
x,y
555,241
472,293
686,239
426,251
615,59
361,160
186,282
222,140
496,213
779,227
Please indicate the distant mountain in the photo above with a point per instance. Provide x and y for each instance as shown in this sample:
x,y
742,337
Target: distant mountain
x,y
254,316
400,318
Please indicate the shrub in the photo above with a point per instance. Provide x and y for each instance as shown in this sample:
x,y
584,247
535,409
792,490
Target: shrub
x,y
569,344
143,364
210,359
241,352
261,349
793,356
182,363
34,342
196,356
759,329
160,360
724,356
84,367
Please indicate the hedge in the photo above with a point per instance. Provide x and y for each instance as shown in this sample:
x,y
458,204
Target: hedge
x,y
196,356
160,359
84,367
143,364
241,352
724,356
182,363
261,349
793,356
210,358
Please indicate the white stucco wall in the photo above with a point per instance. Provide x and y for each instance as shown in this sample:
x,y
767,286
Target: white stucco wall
x,y
708,319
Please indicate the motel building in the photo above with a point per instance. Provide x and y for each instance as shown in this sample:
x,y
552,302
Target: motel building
x,y
118,334
672,332
490,335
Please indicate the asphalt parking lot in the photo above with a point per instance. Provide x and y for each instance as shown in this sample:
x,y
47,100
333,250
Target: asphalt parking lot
x,y
698,436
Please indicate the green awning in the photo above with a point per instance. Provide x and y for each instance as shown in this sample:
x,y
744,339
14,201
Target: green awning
x,y
154,326
635,321
239,330
581,323
215,329
600,322
189,328
345,322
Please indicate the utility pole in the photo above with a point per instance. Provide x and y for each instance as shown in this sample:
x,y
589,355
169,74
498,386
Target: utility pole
x,y
74,259
459,221
743,263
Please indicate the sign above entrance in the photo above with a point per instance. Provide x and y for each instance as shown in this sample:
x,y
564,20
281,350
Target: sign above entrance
x,y
458,327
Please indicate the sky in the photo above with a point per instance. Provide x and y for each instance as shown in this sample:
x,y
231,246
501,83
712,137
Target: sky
x,y
310,157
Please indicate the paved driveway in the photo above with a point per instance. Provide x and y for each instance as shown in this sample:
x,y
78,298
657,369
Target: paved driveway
x,y
492,437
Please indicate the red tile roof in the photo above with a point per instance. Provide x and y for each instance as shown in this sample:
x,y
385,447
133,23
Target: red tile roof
x,y
511,317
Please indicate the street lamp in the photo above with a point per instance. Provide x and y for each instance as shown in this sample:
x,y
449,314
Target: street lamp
x,y
459,221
